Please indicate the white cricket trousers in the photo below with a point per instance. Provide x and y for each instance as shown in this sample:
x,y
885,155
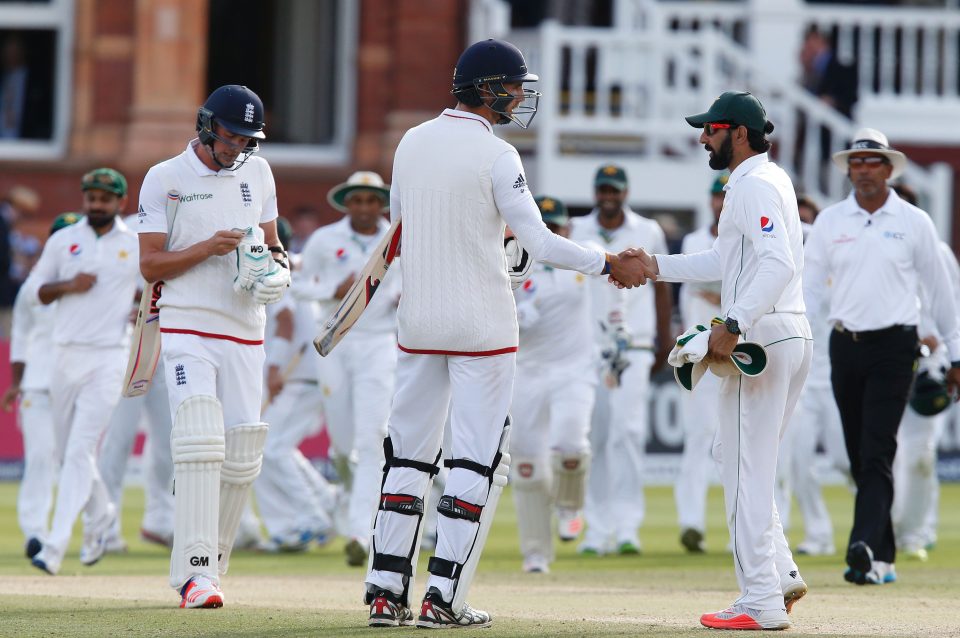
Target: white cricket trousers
x,y
698,409
40,456
915,478
291,494
551,410
816,418
357,380
753,414
88,387
614,507
477,391
118,445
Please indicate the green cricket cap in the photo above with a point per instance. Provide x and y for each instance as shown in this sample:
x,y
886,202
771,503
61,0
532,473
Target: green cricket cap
x,y
105,179
552,210
719,183
735,107
611,175
63,220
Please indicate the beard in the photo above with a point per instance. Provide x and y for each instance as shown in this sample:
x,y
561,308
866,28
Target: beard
x,y
721,158
99,221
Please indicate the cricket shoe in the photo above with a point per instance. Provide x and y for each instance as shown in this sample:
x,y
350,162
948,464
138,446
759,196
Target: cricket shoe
x,y
628,548
386,610
536,563
356,551
437,614
741,617
793,589
201,593
915,552
95,537
156,538
881,573
45,563
569,524
692,540
292,542
860,562
33,547
115,545
815,548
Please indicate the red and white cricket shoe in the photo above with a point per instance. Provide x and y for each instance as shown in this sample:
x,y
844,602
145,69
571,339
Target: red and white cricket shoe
x,y
569,524
201,592
740,617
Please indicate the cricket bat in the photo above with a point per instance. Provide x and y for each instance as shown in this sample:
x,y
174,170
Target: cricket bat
x,y
145,345
360,294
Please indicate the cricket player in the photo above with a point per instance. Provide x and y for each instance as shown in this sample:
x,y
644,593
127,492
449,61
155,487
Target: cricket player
x,y
641,322
221,263
699,303
31,366
356,379
455,186
90,270
758,256
553,394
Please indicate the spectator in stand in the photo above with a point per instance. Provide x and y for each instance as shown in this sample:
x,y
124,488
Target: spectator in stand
x,y
824,75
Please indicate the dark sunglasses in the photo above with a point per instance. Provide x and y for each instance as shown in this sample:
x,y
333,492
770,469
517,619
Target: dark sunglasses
x,y
872,161
712,127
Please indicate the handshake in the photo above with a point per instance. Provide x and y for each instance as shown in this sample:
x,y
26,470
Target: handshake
x,y
631,268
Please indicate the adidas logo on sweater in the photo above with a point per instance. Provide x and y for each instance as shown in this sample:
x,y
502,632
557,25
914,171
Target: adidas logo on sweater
x,y
520,183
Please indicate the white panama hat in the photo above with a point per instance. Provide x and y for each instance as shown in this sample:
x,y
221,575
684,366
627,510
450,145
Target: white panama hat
x,y
361,180
869,140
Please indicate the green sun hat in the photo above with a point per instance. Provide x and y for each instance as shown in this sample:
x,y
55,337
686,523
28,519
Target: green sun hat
x,y
361,180
105,179
552,210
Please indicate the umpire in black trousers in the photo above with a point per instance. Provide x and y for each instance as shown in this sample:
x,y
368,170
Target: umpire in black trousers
x,y
870,259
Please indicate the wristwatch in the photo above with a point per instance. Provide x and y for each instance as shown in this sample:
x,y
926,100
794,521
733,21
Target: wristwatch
x,y
955,364
732,326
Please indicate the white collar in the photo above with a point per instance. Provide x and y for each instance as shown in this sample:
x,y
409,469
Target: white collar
x,y
466,115
744,168
197,164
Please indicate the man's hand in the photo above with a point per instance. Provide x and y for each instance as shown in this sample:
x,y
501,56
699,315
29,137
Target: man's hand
x,y
270,288
344,287
274,381
223,242
632,267
82,282
10,397
722,343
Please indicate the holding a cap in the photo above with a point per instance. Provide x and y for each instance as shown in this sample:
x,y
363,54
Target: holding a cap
x,y
758,257
877,251
640,322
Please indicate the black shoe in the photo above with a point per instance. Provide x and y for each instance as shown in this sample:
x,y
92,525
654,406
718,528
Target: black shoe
x,y
33,547
435,613
692,539
386,610
860,557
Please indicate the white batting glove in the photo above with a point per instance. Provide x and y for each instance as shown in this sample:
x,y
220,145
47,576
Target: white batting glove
x,y
270,288
254,262
519,262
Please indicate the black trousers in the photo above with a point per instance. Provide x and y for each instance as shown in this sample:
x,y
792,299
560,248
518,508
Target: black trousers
x,y
871,375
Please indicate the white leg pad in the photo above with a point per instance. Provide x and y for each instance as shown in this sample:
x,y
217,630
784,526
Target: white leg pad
x,y
532,494
241,466
197,448
570,479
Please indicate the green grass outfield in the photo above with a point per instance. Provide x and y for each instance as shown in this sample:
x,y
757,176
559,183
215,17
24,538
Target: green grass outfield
x,y
659,593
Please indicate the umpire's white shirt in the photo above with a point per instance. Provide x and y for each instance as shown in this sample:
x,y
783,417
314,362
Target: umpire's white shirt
x,y
331,254
758,254
202,301
455,186
100,316
876,264
640,303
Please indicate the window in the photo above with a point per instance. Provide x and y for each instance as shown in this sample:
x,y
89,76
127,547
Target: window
x,y
35,41
298,56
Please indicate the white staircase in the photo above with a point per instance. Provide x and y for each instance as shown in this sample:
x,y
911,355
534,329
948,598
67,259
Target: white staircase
x,y
619,94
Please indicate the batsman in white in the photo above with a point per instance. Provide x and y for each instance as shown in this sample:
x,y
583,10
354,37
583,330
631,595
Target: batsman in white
x,y
455,185
31,366
357,378
615,503
553,397
699,303
90,269
219,273
295,500
758,256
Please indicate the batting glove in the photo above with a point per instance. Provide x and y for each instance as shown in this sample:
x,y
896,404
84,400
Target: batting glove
x,y
270,288
253,262
519,262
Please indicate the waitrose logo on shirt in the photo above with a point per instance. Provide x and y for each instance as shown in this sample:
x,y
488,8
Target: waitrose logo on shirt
x,y
184,199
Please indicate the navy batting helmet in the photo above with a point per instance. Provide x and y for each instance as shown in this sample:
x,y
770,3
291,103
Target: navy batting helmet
x,y
235,108
481,72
